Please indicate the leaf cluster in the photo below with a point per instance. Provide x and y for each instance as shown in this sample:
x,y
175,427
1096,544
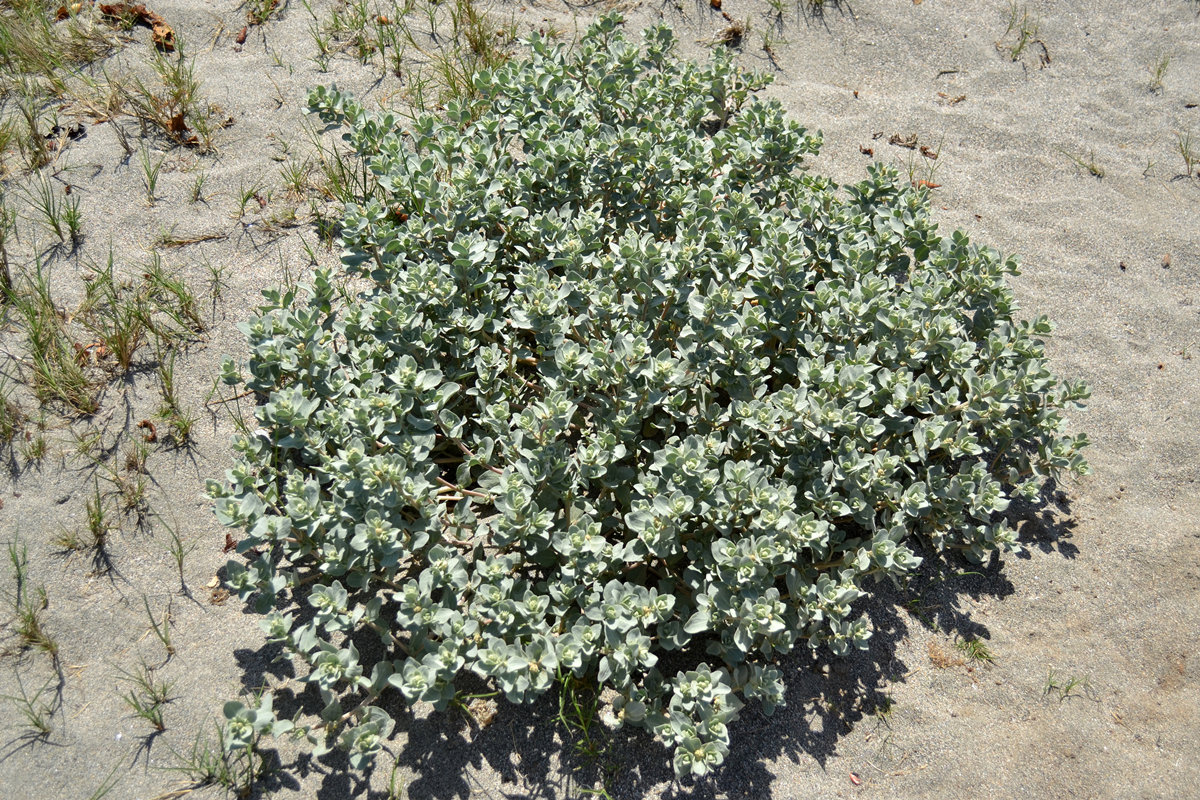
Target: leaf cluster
x,y
613,375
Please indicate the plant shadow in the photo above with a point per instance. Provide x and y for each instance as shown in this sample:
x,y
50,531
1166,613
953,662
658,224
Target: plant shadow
x,y
540,751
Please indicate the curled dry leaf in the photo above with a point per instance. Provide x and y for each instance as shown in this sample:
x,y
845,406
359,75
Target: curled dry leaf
x,y
160,32
64,12
241,37
715,4
857,781
151,434
179,129
84,353
926,185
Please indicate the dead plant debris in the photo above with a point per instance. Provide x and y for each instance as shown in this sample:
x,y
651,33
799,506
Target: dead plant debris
x,y
941,659
161,33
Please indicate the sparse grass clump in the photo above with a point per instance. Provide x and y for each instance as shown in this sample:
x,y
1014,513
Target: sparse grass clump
x,y
37,713
44,198
1066,687
161,627
53,357
11,415
1184,146
27,605
220,763
147,696
1158,72
150,171
437,47
117,315
8,229
172,105
1088,164
975,650
39,52
1024,28
259,12
178,419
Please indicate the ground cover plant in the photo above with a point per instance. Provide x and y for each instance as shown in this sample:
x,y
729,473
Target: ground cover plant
x,y
614,376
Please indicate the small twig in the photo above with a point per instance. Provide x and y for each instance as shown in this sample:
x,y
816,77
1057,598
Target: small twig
x,y
468,452
467,492
225,400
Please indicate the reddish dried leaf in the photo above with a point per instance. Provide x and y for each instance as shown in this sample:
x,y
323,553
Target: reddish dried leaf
x,y
926,185
151,434
160,32
63,12
241,37
176,124
857,781
230,544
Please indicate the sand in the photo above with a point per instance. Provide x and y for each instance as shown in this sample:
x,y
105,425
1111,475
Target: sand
x,y
1106,595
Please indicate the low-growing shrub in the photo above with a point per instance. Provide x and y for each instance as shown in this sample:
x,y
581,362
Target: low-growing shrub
x,y
613,375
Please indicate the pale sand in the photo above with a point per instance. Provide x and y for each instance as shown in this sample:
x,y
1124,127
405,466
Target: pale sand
x,y
1108,590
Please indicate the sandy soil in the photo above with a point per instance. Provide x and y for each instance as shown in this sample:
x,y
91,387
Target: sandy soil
x,y
1107,595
